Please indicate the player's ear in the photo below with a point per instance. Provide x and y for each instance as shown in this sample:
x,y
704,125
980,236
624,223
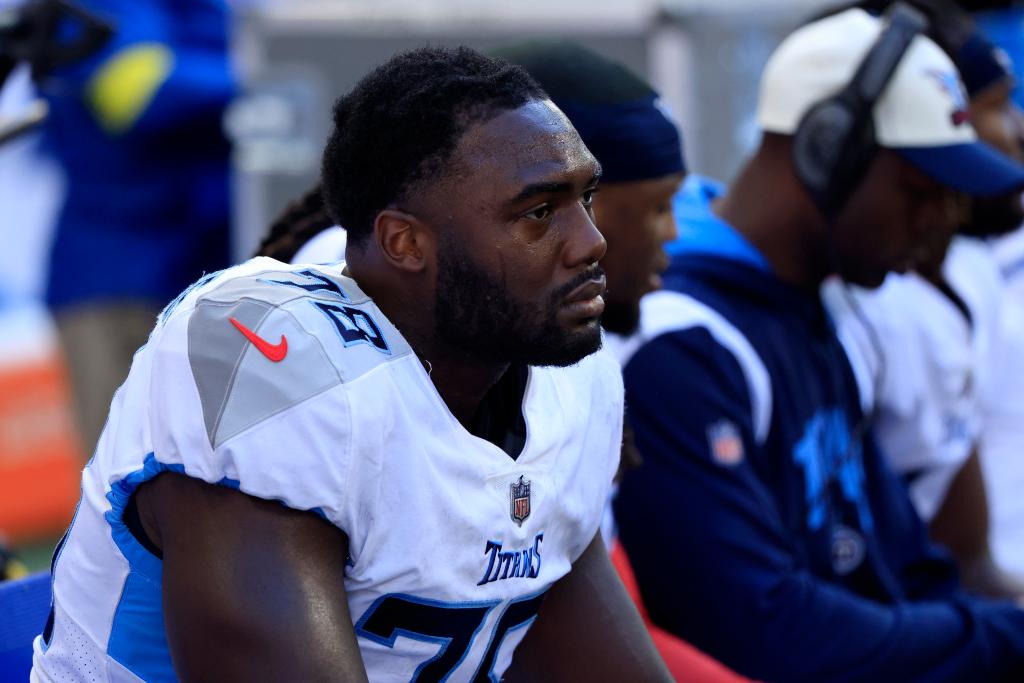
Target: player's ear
x,y
403,239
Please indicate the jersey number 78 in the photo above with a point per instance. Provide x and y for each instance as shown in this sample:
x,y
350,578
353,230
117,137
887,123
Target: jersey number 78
x,y
455,626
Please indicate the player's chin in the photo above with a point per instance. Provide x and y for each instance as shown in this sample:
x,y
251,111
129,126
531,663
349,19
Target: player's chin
x,y
580,330
872,278
574,345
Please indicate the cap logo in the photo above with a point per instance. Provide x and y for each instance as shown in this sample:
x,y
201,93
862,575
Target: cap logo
x,y
950,84
1003,59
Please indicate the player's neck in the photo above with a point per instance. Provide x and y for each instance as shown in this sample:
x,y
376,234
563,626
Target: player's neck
x,y
461,381
779,221
462,384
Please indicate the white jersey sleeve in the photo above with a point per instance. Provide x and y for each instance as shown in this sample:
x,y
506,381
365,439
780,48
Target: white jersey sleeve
x,y
245,394
1003,429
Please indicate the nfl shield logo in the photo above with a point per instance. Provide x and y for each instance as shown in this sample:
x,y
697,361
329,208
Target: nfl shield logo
x,y
520,495
726,443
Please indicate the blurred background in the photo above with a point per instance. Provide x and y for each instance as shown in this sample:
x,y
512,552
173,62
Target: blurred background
x,y
143,143
704,56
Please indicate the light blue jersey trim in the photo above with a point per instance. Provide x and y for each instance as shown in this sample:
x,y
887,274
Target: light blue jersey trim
x,y
702,232
138,640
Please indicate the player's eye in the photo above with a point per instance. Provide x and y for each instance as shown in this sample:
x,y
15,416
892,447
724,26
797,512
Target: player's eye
x,y
587,198
541,213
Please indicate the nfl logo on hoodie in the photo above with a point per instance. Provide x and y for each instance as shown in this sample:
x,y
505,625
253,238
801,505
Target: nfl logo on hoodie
x,y
725,443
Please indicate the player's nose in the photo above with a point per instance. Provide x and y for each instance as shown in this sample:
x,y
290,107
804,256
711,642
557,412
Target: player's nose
x,y
586,244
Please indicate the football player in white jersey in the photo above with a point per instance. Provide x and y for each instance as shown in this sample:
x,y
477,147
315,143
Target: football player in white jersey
x,y
392,469
925,342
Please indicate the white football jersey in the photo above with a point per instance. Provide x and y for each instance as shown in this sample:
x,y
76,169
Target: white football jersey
x,y
1002,438
287,383
926,369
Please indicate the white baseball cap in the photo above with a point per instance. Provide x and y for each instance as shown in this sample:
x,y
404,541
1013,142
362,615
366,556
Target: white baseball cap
x,y
922,113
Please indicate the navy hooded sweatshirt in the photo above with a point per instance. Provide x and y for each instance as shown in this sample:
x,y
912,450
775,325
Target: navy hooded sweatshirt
x,y
764,525
147,205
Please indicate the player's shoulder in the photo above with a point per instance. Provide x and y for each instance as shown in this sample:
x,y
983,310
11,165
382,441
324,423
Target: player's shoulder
x,y
890,307
266,336
894,323
317,298
270,282
678,329
973,272
575,396
973,253
694,326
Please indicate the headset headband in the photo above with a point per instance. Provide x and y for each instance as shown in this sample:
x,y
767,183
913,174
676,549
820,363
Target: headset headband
x,y
878,66
835,140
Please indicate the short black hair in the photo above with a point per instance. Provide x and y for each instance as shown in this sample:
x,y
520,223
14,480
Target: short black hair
x,y
401,123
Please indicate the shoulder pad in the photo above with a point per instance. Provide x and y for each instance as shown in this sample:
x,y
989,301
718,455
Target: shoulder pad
x,y
265,341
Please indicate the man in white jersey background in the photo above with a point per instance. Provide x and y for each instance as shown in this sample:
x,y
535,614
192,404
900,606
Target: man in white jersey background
x,y
430,415
931,334
1002,433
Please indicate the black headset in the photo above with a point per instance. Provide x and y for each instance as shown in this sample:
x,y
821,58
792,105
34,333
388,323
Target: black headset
x,y
835,141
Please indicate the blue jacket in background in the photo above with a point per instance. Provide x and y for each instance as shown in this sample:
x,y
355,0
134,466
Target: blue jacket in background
x,y
147,206
764,524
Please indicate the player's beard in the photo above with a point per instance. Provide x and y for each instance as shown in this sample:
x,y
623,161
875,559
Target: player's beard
x,y
476,314
994,216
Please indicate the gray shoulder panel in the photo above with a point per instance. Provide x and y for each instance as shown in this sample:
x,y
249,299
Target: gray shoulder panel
x,y
240,385
262,343
215,348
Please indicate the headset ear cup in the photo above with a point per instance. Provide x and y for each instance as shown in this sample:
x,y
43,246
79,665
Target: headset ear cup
x,y
852,171
821,145
835,141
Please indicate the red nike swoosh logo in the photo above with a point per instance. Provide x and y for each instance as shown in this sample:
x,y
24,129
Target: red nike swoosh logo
x,y
275,352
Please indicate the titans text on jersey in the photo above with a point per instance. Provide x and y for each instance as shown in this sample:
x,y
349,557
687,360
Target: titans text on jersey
x,y
504,564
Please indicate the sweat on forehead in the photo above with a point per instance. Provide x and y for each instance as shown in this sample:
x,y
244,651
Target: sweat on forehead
x,y
536,134
402,122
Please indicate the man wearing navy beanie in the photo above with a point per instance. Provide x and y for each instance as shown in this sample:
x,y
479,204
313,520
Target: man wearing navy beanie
x,y
623,123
